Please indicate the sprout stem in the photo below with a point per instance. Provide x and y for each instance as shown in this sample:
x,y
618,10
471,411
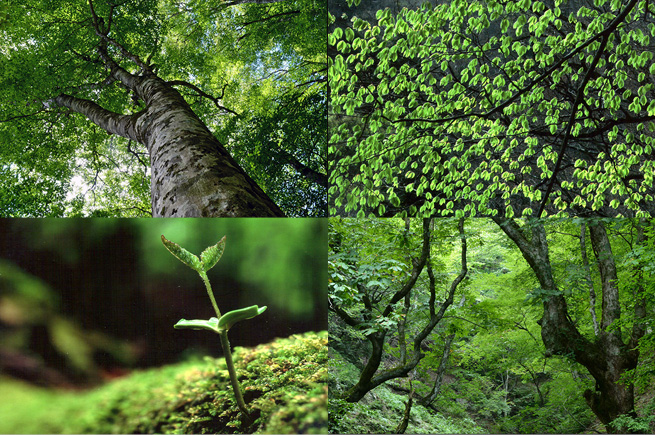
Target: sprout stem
x,y
208,286
225,343
209,257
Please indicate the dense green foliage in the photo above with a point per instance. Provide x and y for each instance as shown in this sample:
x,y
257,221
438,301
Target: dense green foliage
x,y
251,68
497,373
529,108
285,381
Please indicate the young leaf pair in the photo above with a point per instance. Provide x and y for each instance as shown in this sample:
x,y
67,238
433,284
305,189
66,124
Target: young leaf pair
x,y
224,323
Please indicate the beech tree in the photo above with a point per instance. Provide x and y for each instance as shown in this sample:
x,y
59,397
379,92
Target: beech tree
x,y
518,107
159,75
608,355
365,292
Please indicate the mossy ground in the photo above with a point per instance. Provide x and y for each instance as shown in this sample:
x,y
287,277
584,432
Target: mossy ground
x,y
284,384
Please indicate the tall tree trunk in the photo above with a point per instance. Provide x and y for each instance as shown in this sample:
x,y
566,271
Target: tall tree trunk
x,y
590,282
611,397
193,175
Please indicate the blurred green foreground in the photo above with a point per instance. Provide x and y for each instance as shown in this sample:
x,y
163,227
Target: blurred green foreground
x,y
285,384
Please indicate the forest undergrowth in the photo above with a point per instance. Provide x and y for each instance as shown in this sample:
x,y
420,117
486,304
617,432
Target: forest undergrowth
x,y
471,401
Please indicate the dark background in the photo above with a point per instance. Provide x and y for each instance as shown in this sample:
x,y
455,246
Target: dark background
x,y
83,300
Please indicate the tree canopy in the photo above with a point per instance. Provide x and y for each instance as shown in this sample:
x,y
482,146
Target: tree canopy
x,y
246,69
533,108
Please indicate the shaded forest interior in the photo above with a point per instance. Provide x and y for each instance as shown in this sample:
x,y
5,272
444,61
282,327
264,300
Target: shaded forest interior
x,y
526,326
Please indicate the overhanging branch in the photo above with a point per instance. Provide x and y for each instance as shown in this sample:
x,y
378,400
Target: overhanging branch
x,y
580,96
112,122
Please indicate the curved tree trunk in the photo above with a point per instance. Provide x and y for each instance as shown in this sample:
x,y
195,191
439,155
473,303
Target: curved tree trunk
x,y
606,357
611,397
370,378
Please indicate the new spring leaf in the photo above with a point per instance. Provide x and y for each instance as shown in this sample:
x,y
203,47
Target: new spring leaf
x,y
183,255
211,255
230,318
211,324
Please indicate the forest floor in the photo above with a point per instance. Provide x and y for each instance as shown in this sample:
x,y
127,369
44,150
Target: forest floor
x,y
382,409
284,384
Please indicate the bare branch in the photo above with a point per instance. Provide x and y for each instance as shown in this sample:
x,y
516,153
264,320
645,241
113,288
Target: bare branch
x,y
202,93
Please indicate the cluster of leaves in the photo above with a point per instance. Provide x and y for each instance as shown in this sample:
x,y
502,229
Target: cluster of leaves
x,y
479,108
636,424
290,140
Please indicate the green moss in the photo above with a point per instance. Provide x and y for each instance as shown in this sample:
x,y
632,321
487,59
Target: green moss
x,y
284,383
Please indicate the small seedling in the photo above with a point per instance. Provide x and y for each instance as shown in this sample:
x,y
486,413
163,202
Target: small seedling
x,y
221,323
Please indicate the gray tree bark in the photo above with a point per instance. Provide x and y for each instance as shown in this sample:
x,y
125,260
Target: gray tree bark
x,y
193,175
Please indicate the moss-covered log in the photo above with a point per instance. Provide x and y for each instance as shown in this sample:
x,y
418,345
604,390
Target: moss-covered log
x,y
284,382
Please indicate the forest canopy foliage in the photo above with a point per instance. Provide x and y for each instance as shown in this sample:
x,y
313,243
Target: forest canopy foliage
x,y
514,351
516,108
246,68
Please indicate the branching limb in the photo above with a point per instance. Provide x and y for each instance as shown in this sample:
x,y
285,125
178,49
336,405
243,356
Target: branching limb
x,y
203,94
102,32
307,172
91,86
281,14
580,96
115,123
136,154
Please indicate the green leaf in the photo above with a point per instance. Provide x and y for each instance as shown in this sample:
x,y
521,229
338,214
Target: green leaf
x,y
211,255
183,255
210,325
230,318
